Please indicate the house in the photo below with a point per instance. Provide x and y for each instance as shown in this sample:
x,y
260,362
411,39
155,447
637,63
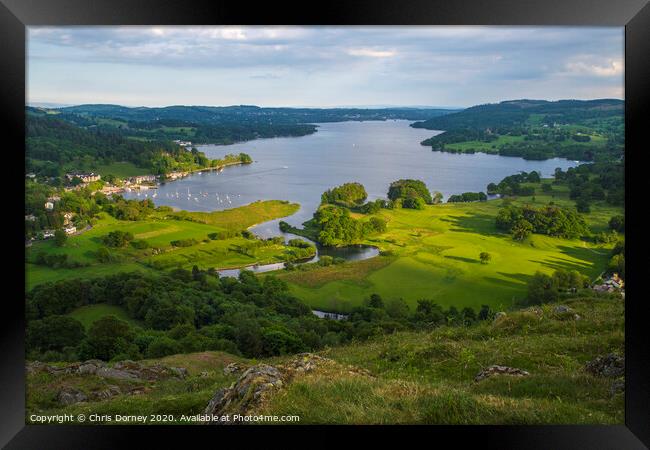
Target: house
x,y
49,206
71,229
67,217
142,179
183,143
85,177
611,284
48,234
30,175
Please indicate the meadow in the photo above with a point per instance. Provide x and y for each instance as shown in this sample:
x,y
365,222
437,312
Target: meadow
x,y
158,230
434,254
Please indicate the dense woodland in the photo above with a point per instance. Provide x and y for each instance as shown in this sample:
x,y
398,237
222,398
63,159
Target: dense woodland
x,y
55,146
187,311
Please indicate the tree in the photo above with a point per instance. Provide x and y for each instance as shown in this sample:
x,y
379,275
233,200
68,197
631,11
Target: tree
x,y
60,237
485,257
108,337
437,197
521,230
54,333
375,301
409,189
542,289
617,223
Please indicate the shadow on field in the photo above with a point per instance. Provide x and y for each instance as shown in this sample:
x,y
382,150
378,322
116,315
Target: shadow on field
x,y
556,263
473,223
463,259
520,277
504,283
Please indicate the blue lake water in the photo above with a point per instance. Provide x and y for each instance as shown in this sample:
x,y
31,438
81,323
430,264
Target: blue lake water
x,y
300,169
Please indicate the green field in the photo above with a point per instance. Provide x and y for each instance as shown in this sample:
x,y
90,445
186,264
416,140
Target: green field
x,y
89,314
436,256
159,230
121,169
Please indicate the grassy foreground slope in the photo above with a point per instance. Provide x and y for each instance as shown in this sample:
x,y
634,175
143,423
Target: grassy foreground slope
x,y
408,377
159,230
435,255
428,377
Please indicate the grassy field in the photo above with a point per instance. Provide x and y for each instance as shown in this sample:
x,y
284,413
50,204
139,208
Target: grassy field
x,y
406,377
89,314
121,169
436,256
159,230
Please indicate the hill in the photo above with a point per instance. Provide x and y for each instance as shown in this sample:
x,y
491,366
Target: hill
x,y
591,130
426,377
512,113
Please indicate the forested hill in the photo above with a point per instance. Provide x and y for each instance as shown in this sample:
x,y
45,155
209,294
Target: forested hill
x,y
517,113
220,125
250,114
54,146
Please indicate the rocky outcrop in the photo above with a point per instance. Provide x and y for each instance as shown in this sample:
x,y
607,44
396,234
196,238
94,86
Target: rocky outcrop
x,y
607,366
233,368
255,384
499,370
69,396
122,370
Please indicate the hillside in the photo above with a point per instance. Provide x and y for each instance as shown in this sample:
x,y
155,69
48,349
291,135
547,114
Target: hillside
x,y
521,112
406,377
534,129
219,125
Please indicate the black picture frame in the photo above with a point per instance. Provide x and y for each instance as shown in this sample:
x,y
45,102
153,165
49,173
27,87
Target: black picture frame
x,y
15,15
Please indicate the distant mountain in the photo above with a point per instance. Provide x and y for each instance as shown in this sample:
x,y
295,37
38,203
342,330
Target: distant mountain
x,y
517,112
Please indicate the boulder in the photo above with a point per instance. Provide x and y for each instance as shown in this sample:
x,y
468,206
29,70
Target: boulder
x,y
245,393
110,391
610,365
499,370
107,372
70,396
499,315
233,368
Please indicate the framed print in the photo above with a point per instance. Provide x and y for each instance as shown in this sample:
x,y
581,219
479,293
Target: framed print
x,y
382,218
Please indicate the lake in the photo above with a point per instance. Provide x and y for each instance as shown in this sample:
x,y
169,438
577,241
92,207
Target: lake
x,y
300,169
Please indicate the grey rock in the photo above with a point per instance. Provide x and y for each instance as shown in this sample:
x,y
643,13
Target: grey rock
x,y
87,368
107,372
610,365
70,396
499,370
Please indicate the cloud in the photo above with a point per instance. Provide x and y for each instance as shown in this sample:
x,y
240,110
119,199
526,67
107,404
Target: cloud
x,y
610,68
455,65
371,53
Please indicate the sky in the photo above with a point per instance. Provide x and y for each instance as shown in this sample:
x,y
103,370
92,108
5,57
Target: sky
x,y
445,66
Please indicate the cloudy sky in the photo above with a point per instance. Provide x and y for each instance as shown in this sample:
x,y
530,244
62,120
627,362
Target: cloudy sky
x,y
322,66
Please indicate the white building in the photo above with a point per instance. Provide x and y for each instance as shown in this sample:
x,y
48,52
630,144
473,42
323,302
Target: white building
x,y
49,206
71,229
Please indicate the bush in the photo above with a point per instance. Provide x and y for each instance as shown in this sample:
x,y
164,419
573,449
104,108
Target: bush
x,y
413,203
162,346
140,244
184,242
117,238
